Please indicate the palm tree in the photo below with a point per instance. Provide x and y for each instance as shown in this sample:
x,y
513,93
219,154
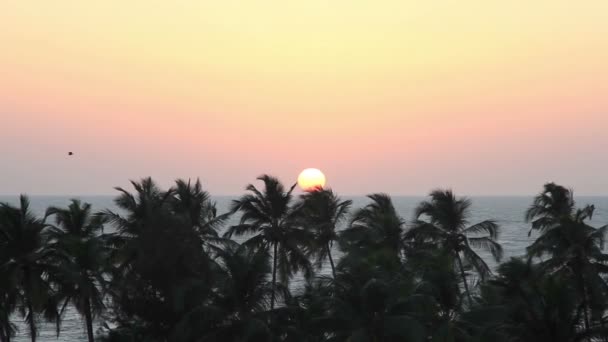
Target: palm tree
x,y
244,286
573,246
162,271
322,211
7,296
7,307
437,278
236,310
192,202
147,206
29,263
447,226
76,234
148,202
135,301
526,303
270,216
549,206
244,292
363,307
376,226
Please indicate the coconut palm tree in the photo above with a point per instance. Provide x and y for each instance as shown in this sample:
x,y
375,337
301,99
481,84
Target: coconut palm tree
x,y
29,264
190,201
236,309
362,307
7,296
301,318
243,296
76,234
270,218
573,247
147,206
322,211
7,307
448,227
144,206
161,268
437,277
377,226
245,286
549,206
526,303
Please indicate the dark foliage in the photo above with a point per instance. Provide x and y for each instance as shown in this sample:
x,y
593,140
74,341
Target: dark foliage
x,y
159,269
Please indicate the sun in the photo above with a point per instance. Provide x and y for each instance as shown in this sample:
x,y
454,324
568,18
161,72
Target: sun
x,y
311,179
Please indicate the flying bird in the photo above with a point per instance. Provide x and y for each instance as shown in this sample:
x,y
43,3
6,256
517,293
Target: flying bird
x,y
70,153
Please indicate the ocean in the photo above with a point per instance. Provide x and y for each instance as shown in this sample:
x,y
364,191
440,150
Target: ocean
x,y
508,211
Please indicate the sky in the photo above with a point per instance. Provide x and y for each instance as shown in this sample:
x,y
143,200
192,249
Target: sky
x,y
483,97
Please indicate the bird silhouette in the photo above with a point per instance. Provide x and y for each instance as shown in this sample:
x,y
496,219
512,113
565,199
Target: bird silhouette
x,y
70,153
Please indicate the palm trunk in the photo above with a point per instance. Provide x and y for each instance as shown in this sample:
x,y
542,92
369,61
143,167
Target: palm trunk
x,y
331,261
4,338
464,279
89,319
32,320
274,276
5,328
585,304
30,306
603,325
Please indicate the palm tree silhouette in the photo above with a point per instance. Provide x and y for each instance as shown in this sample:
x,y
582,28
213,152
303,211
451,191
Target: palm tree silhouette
x,y
162,271
140,210
268,215
190,201
322,211
375,228
526,303
244,296
7,306
573,246
373,306
549,206
29,262
438,279
81,277
447,226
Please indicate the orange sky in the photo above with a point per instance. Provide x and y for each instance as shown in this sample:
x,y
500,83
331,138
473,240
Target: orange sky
x,y
485,97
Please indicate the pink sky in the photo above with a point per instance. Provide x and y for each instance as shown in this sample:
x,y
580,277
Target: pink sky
x,y
392,96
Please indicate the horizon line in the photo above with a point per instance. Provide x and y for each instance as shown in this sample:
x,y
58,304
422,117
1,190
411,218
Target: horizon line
x,y
340,194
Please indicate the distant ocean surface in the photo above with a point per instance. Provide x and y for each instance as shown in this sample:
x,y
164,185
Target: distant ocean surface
x,y
508,211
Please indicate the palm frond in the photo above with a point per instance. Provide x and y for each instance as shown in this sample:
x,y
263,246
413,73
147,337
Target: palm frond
x,y
424,231
477,262
241,229
445,210
489,226
487,244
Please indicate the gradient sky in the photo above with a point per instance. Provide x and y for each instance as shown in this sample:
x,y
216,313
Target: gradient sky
x,y
485,97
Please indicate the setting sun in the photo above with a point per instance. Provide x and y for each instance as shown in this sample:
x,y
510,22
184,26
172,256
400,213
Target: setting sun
x,y
311,179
